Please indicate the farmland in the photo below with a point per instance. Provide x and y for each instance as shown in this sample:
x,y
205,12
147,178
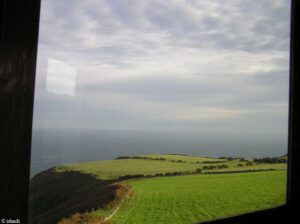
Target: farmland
x,y
112,169
196,198
162,188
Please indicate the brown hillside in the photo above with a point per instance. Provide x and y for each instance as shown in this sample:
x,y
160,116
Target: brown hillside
x,y
55,195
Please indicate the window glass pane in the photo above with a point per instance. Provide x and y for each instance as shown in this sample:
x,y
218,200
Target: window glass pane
x,y
137,102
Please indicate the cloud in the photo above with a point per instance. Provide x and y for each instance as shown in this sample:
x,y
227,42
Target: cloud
x,y
176,64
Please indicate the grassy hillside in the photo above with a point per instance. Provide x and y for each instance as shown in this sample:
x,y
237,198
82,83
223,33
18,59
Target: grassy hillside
x,y
194,198
54,196
185,158
112,169
174,197
152,164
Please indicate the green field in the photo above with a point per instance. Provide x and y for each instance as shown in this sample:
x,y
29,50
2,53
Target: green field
x,y
185,158
196,198
169,188
112,169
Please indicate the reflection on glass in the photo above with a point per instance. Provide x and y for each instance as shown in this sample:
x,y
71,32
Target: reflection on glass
x,y
136,102
61,78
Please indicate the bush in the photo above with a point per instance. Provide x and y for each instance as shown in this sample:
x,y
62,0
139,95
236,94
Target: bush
x,y
222,166
159,175
209,167
119,195
242,160
209,162
126,177
198,170
83,218
270,160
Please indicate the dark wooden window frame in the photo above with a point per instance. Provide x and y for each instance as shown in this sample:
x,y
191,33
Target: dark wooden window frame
x,y
19,24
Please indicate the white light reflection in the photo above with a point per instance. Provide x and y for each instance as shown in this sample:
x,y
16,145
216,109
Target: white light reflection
x,y
61,78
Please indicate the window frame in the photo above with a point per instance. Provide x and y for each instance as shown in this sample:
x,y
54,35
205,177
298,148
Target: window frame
x,y
19,25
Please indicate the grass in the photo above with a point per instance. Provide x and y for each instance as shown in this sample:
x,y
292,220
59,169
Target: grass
x,y
192,159
112,169
196,198
188,198
233,167
58,195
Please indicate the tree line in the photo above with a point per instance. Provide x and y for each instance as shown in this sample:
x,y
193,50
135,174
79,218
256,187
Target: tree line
x,y
270,160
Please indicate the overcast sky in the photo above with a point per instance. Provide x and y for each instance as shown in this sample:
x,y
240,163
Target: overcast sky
x,y
202,65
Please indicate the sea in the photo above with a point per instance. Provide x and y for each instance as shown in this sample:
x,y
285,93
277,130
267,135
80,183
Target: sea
x,y
52,147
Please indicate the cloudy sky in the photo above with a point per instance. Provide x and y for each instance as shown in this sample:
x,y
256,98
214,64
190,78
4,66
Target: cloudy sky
x,y
200,65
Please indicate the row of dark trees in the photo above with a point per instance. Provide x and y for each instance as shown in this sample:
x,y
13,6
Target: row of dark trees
x,y
140,157
256,160
178,161
210,162
164,159
212,167
175,173
228,158
270,160
241,159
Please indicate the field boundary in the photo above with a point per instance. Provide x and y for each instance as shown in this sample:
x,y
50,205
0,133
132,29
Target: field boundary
x,y
240,171
204,173
118,207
